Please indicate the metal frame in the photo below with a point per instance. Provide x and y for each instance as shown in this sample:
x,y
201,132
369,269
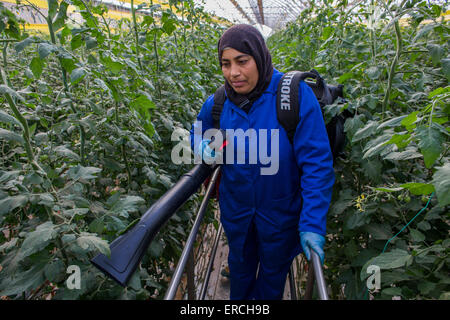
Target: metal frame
x,y
272,13
187,251
187,260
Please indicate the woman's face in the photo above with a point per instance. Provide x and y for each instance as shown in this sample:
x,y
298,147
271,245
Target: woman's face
x,y
240,70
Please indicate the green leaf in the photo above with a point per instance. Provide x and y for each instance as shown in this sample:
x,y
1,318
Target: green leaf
x,y
376,146
63,151
165,180
356,220
83,173
37,240
55,271
32,178
145,138
44,49
10,203
24,43
388,260
135,281
72,212
344,201
46,199
77,75
373,73
6,176
52,8
123,206
394,122
113,66
64,34
343,78
36,66
409,121
115,93
59,20
352,125
410,153
27,280
416,235
436,53
7,246
148,20
418,188
76,42
430,142
392,291
424,31
142,103
426,287
90,242
446,68
441,183
379,231
7,90
156,248
169,27
368,130
11,136
444,296
372,169
394,276
91,43
424,225
400,140
97,226
438,92
112,164
6,118
351,250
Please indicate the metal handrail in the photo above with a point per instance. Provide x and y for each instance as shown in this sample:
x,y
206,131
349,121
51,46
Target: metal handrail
x,y
316,274
176,278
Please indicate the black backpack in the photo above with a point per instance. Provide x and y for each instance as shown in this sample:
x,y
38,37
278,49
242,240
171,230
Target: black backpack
x,y
288,105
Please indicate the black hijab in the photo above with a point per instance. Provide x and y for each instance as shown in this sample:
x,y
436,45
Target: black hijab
x,y
247,39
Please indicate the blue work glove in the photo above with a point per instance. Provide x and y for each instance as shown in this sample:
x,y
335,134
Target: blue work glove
x,y
206,153
312,240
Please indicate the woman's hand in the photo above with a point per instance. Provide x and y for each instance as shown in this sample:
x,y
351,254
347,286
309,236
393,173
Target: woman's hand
x,y
312,240
206,153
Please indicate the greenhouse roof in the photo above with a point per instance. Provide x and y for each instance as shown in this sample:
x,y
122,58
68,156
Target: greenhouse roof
x,y
269,14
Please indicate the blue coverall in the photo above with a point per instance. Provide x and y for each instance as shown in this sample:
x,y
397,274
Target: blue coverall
x,y
263,214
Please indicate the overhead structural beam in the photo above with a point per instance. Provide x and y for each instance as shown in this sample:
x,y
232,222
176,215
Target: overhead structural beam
x,y
261,12
238,7
253,5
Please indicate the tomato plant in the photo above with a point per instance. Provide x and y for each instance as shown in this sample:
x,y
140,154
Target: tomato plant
x,y
393,61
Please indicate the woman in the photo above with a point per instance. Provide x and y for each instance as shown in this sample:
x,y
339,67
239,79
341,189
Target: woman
x,y
268,218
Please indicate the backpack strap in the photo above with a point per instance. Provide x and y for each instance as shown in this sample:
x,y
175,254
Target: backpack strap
x,y
288,101
219,100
